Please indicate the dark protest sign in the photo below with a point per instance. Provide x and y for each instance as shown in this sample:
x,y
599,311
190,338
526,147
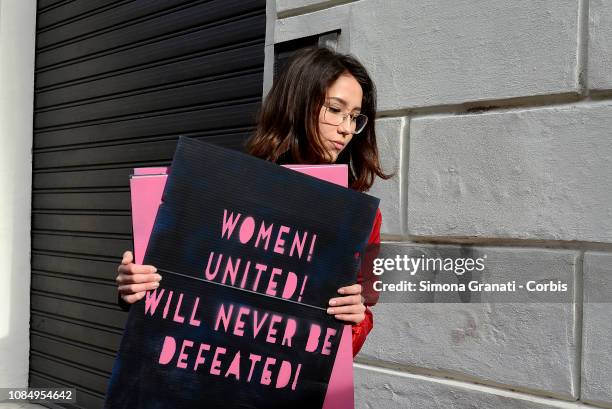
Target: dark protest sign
x,y
250,253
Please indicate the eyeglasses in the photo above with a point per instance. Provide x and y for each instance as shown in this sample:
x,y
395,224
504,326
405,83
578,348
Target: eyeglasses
x,y
335,116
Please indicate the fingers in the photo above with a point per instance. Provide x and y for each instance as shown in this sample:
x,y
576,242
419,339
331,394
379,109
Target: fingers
x,y
348,300
132,298
347,309
136,269
352,318
128,257
350,307
134,280
137,288
137,278
351,289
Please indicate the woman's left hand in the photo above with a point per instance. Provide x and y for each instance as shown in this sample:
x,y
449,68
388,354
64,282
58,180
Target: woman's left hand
x,y
350,306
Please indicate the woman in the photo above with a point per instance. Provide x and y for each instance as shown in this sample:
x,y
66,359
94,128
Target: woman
x,y
321,109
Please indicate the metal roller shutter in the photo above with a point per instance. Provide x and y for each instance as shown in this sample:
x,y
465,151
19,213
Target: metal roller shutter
x,y
116,83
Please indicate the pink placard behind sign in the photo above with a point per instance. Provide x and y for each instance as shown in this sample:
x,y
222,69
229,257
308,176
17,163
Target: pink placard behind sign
x,y
147,186
150,171
337,174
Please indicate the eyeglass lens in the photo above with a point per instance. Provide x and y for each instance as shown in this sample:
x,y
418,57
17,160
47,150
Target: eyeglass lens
x,y
336,117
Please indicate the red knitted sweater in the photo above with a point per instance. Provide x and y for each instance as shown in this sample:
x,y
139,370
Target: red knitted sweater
x,y
361,330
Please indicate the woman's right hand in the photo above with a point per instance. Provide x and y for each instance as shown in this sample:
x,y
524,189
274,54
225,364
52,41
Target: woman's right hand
x,y
134,280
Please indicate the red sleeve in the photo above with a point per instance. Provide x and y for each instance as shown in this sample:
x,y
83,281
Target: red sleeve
x,y
361,330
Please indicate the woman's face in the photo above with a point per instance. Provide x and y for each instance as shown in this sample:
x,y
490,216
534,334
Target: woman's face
x,y
342,97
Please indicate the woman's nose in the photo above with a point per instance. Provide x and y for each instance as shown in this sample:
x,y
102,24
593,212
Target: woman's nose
x,y
345,126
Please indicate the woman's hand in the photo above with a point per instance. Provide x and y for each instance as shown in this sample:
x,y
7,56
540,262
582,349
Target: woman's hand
x,y
350,306
134,280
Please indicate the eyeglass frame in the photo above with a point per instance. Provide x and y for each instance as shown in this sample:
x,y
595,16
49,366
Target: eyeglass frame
x,y
344,116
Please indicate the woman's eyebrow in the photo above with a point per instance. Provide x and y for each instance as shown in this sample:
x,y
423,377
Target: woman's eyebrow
x,y
343,102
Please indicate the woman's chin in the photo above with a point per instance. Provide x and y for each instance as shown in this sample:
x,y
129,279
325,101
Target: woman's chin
x,y
332,155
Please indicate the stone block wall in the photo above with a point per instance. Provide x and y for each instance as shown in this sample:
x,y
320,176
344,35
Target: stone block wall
x,y
496,118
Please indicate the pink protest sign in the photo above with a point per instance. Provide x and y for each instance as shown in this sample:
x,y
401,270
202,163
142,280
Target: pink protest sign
x,y
147,186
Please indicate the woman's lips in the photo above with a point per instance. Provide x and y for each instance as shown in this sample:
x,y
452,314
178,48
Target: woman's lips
x,y
337,145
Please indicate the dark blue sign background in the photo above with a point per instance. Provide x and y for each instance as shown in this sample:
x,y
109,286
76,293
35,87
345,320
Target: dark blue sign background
x,y
206,184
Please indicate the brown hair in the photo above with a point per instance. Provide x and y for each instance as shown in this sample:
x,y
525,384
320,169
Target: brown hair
x,y
288,123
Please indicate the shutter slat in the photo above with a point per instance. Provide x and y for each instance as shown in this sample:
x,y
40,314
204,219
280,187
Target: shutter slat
x,y
199,66
116,83
241,114
107,19
198,94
